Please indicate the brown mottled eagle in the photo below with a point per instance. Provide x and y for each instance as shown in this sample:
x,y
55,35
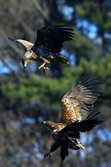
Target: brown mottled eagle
x,y
77,116
47,46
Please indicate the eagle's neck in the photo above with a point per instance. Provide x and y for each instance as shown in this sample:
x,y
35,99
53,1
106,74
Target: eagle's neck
x,y
57,128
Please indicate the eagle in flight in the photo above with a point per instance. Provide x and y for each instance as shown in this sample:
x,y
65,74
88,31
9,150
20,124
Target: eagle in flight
x,y
77,116
48,44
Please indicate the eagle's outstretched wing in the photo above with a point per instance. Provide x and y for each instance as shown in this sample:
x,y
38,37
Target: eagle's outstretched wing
x,y
91,121
27,44
53,37
77,103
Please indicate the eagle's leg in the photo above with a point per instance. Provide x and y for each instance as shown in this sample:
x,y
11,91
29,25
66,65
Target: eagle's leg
x,y
45,62
54,146
81,146
42,66
47,155
78,144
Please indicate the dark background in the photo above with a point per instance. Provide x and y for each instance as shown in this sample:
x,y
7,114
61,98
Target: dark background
x,y
29,96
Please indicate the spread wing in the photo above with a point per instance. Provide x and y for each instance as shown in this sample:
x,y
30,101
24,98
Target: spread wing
x,y
53,37
27,44
78,102
91,121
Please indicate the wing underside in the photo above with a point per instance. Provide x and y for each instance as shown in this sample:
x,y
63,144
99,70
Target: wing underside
x,y
78,102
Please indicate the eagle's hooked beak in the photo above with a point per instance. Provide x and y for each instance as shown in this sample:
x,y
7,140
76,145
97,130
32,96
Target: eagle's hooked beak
x,y
27,56
24,63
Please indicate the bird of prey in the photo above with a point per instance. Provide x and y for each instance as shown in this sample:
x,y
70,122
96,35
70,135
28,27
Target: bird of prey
x,y
48,44
77,116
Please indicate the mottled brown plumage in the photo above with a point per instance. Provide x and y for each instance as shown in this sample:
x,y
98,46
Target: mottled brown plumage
x,y
48,44
77,116
77,103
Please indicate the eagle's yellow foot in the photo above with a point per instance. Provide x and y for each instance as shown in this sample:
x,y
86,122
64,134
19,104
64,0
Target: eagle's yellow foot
x,y
44,67
47,155
81,146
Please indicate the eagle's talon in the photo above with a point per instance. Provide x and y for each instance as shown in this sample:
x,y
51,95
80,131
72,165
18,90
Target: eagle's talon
x,y
47,155
46,68
42,66
81,146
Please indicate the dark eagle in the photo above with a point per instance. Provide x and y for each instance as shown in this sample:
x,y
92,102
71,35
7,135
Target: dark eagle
x,y
47,46
77,116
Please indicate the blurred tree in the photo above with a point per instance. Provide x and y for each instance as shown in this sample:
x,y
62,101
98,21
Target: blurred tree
x,y
30,96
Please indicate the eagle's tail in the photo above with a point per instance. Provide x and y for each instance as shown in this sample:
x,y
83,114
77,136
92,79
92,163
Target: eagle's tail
x,y
61,60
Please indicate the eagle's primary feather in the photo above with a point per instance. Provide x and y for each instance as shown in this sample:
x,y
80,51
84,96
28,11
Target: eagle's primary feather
x,y
78,102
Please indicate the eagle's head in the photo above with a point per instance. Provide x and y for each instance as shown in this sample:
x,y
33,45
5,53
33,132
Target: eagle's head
x,y
29,55
25,62
50,124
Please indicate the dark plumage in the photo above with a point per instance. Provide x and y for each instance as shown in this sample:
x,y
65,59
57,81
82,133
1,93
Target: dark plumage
x,y
48,45
77,116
